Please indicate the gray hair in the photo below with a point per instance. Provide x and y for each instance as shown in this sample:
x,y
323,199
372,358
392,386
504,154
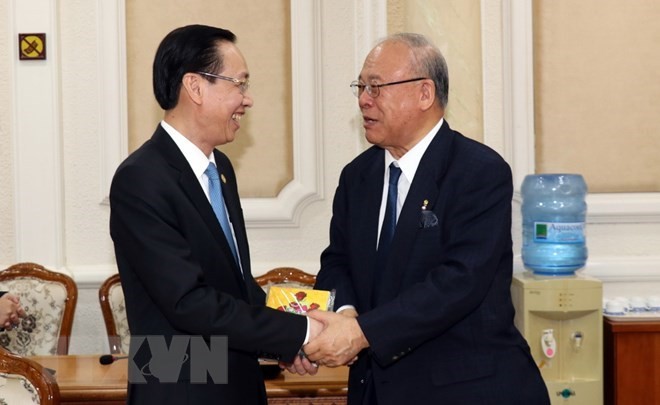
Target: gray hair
x,y
428,61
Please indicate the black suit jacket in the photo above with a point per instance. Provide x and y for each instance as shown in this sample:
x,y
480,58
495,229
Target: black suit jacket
x,y
440,324
180,278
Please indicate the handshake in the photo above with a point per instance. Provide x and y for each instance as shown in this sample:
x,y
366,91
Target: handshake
x,y
335,339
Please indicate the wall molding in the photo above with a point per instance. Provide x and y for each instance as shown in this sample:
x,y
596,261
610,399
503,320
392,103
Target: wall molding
x,y
371,17
518,68
624,268
113,92
36,130
307,184
615,269
518,88
609,269
92,276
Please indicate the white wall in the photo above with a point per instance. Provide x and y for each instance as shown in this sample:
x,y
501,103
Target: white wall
x,y
622,229
86,127
62,132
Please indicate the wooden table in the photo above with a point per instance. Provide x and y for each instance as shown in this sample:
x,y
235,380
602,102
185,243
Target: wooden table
x,y
82,380
632,362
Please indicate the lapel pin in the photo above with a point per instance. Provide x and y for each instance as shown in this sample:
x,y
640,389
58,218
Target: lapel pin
x,y
224,180
425,204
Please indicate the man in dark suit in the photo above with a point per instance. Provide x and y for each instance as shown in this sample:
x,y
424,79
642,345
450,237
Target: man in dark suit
x,y
183,274
425,307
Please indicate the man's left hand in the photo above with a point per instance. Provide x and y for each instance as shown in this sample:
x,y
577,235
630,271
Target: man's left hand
x,y
300,366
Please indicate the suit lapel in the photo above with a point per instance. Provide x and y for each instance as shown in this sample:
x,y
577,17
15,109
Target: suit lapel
x,y
190,186
371,190
232,201
187,180
425,186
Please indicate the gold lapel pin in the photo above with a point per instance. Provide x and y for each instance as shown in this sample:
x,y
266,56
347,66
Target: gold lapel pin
x,y
222,177
425,204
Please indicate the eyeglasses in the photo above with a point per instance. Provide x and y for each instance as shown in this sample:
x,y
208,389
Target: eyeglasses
x,y
373,88
243,84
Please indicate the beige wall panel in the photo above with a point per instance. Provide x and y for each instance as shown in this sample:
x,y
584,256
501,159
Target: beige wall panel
x,y
597,92
396,15
7,226
455,27
262,151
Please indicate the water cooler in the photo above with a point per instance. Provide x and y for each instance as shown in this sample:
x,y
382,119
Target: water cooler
x,y
561,318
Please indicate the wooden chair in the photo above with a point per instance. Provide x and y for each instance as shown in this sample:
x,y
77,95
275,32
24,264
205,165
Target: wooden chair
x,y
290,276
23,381
111,298
49,299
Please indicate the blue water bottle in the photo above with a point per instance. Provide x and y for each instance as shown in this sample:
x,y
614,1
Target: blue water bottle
x,y
554,211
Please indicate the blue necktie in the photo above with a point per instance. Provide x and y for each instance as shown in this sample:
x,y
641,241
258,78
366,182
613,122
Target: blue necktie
x,y
218,204
386,231
389,220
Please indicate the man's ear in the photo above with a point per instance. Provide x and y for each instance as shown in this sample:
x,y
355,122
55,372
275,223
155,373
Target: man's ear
x,y
191,86
427,97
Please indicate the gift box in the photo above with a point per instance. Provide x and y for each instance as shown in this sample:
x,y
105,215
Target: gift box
x,y
299,300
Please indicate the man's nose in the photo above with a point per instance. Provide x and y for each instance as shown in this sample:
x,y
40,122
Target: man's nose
x,y
248,101
365,100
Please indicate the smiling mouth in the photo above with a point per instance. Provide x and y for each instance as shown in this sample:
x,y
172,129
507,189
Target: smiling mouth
x,y
236,117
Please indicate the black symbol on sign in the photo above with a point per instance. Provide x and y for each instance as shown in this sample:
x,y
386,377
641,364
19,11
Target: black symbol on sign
x,y
32,46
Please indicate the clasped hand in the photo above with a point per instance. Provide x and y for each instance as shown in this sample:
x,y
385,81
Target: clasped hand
x,y
335,340
10,311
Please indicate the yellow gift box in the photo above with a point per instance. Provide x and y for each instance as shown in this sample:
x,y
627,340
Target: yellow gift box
x,y
299,300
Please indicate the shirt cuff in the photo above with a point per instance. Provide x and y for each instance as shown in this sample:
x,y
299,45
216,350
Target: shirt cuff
x,y
343,307
307,333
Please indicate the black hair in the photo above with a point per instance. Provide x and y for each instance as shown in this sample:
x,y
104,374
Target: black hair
x,y
193,48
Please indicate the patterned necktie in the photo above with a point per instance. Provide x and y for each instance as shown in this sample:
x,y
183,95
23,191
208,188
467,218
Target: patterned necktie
x,y
389,220
218,204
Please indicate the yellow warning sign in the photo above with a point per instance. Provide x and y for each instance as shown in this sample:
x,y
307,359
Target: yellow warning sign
x,y
32,46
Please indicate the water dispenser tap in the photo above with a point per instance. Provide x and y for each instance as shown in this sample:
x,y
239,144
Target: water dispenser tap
x,y
548,343
576,337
